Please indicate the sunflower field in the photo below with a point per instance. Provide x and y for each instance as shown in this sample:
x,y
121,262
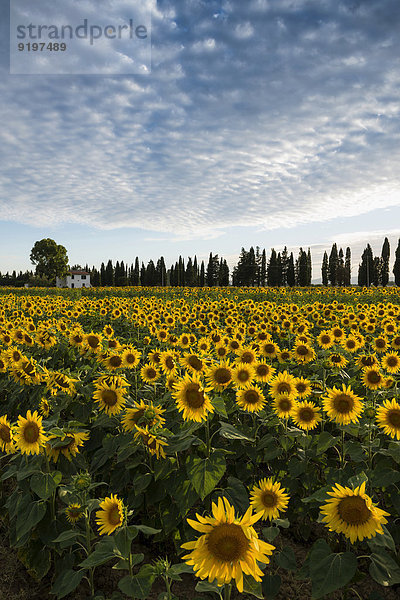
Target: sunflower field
x,y
217,429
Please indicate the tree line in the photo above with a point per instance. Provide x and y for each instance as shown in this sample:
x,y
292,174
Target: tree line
x,y
253,269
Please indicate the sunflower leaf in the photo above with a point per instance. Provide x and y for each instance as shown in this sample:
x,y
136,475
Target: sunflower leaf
x,y
205,473
332,573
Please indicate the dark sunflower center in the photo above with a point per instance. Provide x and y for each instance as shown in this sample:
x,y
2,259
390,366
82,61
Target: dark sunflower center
x,y
130,358
374,377
222,375
243,375
379,343
31,433
28,368
393,418
77,339
151,373
302,350
269,348
325,339
5,433
301,387
336,358
306,414
137,415
392,361
227,542
109,397
343,404
251,397
114,516
112,343
195,363
246,357
368,361
284,388
169,363
93,341
262,370
353,510
194,397
115,361
284,404
285,355
269,499
350,344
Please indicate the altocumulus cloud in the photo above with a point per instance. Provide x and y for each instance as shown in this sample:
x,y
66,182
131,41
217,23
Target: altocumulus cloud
x,y
266,113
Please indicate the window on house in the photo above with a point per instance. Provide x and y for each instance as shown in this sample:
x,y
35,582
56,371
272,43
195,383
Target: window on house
x,y
83,276
72,276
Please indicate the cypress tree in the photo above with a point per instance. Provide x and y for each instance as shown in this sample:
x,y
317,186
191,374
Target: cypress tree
x,y
136,273
272,269
290,274
325,269
102,274
195,272
285,263
303,269
366,268
376,275
333,265
143,275
109,274
309,267
385,263
279,270
347,267
202,276
396,266
340,269
263,268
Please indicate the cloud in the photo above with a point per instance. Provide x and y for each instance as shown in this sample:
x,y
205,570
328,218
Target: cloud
x,y
259,113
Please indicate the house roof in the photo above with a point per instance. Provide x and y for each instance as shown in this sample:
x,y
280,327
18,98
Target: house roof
x,y
75,272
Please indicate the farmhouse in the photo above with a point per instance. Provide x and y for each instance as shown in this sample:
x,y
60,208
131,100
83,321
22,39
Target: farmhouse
x,y
74,279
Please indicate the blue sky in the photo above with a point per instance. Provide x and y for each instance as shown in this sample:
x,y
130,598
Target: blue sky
x,y
265,122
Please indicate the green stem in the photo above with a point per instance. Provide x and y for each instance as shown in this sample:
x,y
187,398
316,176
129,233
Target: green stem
x,y
89,549
227,591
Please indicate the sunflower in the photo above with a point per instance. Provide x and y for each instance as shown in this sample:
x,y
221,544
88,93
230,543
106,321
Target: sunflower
x,y
108,331
283,405
263,372
284,356
270,498
112,361
6,436
337,360
251,399
194,363
149,373
30,437
391,362
74,512
352,513
153,442
130,357
303,353
76,338
306,415
3,363
366,360
68,444
283,383
350,343
142,413
219,376
242,375
221,350
372,378
269,349
380,344
228,547
111,515
168,361
92,342
325,339
388,418
342,406
191,399
110,397
303,387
